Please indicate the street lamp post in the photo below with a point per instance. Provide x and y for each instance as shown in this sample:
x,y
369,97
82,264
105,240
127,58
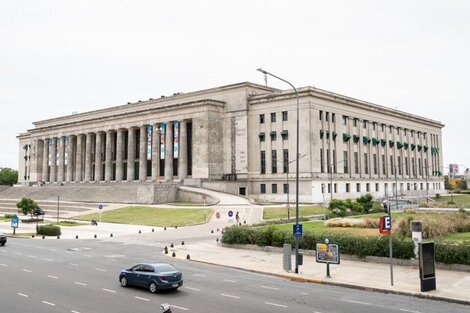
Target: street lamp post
x,y
296,167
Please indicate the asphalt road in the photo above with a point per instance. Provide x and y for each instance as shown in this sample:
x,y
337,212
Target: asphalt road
x,y
81,276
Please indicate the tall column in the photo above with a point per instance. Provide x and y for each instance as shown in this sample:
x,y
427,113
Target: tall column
x,y
38,159
169,152
130,154
143,153
88,157
78,159
183,153
119,155
53,174
60,170
108,174
70,152
156,152
45,161
99,157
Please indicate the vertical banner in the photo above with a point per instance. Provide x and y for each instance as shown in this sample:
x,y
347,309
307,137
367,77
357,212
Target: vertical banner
x,y
149,141
49,157
66,149
162,141
176,139
57,147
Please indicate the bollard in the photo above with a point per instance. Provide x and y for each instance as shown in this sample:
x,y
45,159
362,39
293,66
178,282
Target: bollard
x,y
182,243
172,245
43,236
111,235
95,236
58,237
174,254
140,232
32,236
164,228
212,231
217,240
76,236
153,230
176,227
165,250
188,257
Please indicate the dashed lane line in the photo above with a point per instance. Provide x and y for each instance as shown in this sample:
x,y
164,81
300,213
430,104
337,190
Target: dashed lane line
x,y
190,288
179,307
4,265
305,293
27,271
32,256
48,303
108,290
80,284
53,277
275,304
17,253
100,269
358,302
229,296
267,287
199,275
50,260
73,264
405,310
143,299
23,295
230,281
73,311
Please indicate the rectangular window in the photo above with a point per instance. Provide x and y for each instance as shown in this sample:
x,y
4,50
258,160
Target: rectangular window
x,y
261,118
383,128
348,187
335,188
384,170
284,116
345,120
392,167
286,188
367,187
398,130
406,166
322,169
285,160
327,116
320,115
376,186
366,164
373,125
426,168
358,187
273,188
274,161
329,188
399,165
263,188
412,133
420,168
273,117
355,122
356,163
345,162
334,162
263,162
404,131
328,169
413,167
390,129
333,117
375,164
364,124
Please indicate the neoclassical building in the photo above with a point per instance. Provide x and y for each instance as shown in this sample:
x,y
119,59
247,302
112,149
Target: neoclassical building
x,y
240,139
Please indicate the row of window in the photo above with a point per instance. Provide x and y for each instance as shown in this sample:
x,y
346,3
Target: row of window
x,y
285,117
274,161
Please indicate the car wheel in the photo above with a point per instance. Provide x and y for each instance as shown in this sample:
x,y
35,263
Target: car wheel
x,y
2,244
123,281
153,287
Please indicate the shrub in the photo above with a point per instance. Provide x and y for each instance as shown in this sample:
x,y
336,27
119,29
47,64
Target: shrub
x,y
452,253
49,230
264,236
338,207
366,202
238,235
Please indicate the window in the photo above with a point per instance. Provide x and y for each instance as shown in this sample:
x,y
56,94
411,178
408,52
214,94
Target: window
x,y
364,124
345,120
320,115
273,135
383,128
376,186
333,116
273,117
329,188
406,166
263,162
273,188
327,116
358,187
366,164
412,133
261,118
383,164
413,166
345,162
398,130
404,131
375,164
322,169
328,169
334,162
367,187
274,161
373,125
399,165
285,156
390,129
355,122
262,188
356,163
420,168
335,187
284,116
419,133
392,172
348,187
286,188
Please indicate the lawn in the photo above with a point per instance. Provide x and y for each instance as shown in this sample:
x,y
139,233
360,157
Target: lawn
x,y
457,237
281,212
462,201
68,223
140,215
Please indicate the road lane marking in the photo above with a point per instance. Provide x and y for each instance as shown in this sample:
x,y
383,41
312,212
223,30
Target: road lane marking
x,y
190,288
73,311
272,288
405,310
140,298
4,265
17,253
304,293
50,260
108,290
28,271
100,269
48,303
54,250
230,281
79,283
358,302
87,255
199,275
275,304
50,276
33,256
179,307
23,295
230,296
73,264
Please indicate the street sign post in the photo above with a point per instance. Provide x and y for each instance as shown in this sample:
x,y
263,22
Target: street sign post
x,y
327,253
297,230
14,223
100,207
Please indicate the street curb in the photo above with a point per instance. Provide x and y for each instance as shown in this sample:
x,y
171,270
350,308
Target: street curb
x,y
344,285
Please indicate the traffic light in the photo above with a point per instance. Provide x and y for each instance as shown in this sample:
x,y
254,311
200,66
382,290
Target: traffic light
x,y
386,207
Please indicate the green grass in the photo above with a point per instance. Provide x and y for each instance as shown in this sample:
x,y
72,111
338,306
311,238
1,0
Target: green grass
x,y
461,201
281,212
318,228
187,203
138,215
457,237
68,223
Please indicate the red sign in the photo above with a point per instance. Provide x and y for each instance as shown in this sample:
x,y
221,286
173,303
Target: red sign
x,y
385,226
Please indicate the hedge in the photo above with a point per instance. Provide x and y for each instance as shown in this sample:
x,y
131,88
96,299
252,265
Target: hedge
x,y
448,253
49,230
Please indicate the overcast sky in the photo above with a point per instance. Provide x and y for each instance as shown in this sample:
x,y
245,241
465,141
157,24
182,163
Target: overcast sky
x,y
57,57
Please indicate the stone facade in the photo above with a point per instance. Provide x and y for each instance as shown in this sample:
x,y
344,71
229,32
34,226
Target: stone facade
x,y
238,139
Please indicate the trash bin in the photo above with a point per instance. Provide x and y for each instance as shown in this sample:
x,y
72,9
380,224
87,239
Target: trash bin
x,y
286,260
300,258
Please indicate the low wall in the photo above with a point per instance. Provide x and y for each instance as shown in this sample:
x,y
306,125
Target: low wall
x,y
191,196
224,186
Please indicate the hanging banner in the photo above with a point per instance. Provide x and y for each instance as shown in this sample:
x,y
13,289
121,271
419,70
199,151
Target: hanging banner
x,y
149,141
176,139
66,149
49,157
57,147
162,141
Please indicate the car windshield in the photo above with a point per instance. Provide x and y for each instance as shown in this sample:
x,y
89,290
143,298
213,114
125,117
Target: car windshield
x,y
165,268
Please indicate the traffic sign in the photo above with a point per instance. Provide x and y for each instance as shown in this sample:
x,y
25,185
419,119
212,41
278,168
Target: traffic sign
x,y
100,206
297,230
230,213
14,221
217,214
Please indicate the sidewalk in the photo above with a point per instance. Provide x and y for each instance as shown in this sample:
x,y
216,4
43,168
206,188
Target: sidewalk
x,y
451,286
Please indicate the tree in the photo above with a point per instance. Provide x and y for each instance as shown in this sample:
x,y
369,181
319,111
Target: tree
x,y
366,202
8,176
28,206
462,184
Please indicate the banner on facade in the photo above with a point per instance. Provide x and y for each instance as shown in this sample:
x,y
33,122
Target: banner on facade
x,y
57,147
162,141
149,141
176,139
66,139
49,157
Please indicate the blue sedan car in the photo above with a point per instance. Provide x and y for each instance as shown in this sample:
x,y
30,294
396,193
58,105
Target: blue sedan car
x,y
154,276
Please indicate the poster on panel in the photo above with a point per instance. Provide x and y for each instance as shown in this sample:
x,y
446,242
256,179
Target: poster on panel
x,y
162,141
176,139
57,147
66,149
49,157
149,141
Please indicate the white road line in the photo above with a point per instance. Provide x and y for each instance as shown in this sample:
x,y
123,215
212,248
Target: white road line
x,y
87,255
48,303
4,265
305,293
73,311
144,299
79,283
230,296
53,250
316,312
28,271
190,288
405,310
22,294
100,269
108,290
73,264
50,276
272,288
17,253
199,275
275,304
179,307
358,302
33,256
230,281
50,260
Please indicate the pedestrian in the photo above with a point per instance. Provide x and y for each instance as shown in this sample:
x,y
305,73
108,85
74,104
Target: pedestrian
x,y
237,217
